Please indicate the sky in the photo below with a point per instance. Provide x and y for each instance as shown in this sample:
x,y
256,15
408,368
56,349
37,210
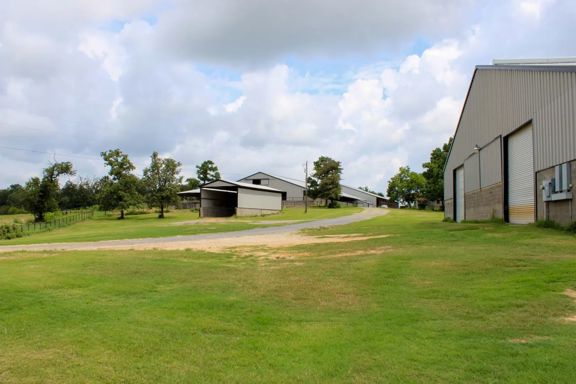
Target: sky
x,y
254,85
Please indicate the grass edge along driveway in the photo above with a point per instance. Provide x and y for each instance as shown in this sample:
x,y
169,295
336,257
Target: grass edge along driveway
x,y
176,223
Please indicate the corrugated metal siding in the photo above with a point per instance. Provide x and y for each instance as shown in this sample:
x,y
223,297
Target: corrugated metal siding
x,y
249,198
491,164
521,176
460,206
359,194
293,192
471,174
502,100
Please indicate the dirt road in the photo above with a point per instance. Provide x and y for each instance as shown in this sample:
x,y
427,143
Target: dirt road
x,y
282,236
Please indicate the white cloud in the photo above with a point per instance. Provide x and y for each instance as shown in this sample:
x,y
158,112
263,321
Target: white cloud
x,y
373,84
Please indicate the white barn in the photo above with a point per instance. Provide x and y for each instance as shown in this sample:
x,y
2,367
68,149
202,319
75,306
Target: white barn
x,y
223,198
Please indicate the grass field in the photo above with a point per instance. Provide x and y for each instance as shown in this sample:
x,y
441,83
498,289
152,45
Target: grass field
x,y
179,222
431,303
20,218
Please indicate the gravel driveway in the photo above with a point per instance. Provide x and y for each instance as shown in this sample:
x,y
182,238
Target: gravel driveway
x,y
257,236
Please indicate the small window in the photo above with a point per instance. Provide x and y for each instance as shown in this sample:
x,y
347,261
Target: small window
x,y
256,181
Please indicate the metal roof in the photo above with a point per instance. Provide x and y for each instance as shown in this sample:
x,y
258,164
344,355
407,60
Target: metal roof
x,y
363,191
243,185
190,192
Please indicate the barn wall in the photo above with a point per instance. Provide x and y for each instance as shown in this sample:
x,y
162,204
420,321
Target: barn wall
x,y
293,192
372,200
254,199
503,99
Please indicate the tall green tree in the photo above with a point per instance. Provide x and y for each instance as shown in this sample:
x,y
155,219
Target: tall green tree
x,y
324,183
189,184
207,172
81,194
434,173
161,182
405,187
120,188
42,194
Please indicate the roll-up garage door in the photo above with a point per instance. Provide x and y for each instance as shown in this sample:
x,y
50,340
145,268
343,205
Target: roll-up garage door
x,y
521,177
459,174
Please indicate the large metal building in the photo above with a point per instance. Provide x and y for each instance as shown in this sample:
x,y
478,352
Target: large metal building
x,y
514,150
294,190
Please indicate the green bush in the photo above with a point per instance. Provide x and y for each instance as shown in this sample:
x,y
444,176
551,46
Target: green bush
x,y
11,231
548,224
572,227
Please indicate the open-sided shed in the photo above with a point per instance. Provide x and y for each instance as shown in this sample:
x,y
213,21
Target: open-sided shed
x,y
223,198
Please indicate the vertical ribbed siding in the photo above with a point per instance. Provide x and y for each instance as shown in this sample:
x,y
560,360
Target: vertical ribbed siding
x,y
491,164
502,100
471,174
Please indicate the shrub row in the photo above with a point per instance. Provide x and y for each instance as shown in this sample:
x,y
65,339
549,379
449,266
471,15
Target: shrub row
x,y
11,231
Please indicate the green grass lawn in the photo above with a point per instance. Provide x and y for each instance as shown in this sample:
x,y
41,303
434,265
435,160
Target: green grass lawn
x,y
431,303
20,218
179,222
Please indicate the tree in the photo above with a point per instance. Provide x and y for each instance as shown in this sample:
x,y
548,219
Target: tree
x,y
161,182
42,194
434,173
405,187
324,183
119,189
189,184
207,172
82,194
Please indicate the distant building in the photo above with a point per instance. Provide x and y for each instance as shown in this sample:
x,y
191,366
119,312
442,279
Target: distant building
x,y
222,198
294,190
364,199
514,150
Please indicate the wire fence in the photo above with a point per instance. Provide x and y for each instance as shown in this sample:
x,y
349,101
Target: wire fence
x,y
10,231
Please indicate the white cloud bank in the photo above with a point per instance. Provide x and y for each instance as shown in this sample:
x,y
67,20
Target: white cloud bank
x,y
252,85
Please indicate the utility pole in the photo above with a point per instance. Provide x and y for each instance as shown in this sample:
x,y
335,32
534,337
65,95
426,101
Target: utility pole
x,y
306,188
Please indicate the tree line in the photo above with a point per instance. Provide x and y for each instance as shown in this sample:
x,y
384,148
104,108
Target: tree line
x,y
119,190
409,188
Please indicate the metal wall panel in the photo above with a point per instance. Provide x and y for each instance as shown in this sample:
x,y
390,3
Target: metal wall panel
x,y
250,198
501,100
471,174
460,206
293,191
367,197
491,163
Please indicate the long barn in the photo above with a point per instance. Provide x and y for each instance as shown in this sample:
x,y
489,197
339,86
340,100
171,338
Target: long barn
x,y
514,150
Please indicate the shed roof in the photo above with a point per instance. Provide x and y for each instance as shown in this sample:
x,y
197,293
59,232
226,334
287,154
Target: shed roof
x,y
242,185
363,191
190,192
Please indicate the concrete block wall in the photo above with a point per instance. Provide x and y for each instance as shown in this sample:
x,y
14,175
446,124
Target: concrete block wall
x,y
562,211
486,203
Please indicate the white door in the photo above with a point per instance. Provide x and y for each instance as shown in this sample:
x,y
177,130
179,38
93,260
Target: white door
x,y
460,194
521,177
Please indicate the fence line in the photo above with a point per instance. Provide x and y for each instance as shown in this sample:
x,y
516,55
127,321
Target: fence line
x,y
9,231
